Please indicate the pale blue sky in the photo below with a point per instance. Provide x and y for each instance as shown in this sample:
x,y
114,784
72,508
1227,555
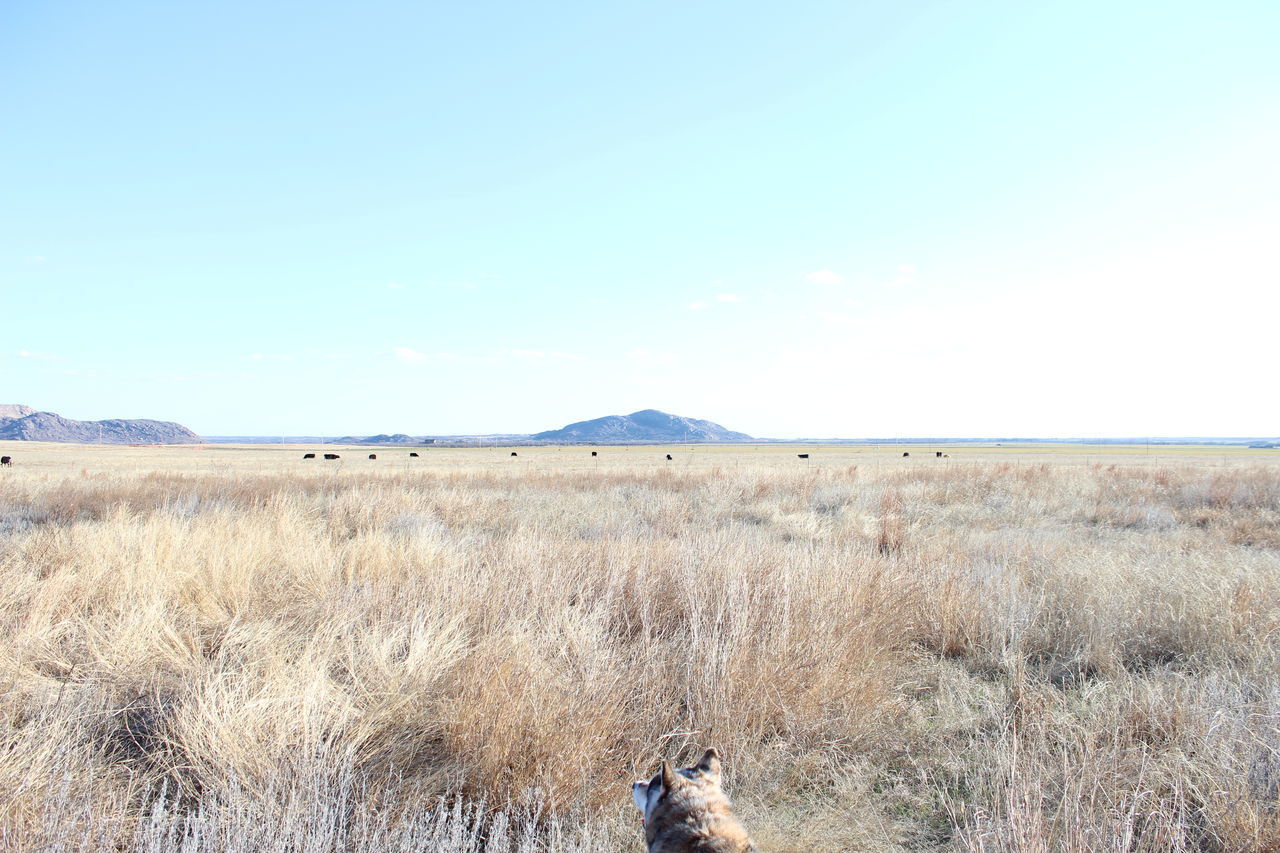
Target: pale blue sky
x,y
802,219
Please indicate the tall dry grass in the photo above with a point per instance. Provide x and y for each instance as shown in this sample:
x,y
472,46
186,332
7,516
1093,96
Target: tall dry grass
x,y
963,656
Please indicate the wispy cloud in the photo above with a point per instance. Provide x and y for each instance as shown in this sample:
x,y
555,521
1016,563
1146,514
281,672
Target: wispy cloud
x,y
35,259
825,277
697,306
540,355
39,356
905,274
408,354
835,319
394,285
182,375
75,371
651,358
452,285
728,297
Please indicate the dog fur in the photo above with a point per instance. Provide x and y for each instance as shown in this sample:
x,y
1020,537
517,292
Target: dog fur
x,y
686,812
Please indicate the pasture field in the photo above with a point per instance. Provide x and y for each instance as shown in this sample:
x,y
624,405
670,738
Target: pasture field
x,y
1019,648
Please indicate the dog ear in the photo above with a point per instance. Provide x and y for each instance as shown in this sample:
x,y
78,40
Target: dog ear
x,y
670,778
710,763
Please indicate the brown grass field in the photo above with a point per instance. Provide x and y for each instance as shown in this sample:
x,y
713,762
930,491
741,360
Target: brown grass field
x,y
1030,648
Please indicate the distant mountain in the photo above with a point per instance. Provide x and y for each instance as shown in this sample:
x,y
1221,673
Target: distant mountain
x,y
398,438
647,425
15,411
46,426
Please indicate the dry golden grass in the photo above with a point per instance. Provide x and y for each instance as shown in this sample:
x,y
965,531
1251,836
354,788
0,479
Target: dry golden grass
x,y
231,649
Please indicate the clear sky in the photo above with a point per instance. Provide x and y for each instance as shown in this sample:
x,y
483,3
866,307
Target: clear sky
x,y
795,219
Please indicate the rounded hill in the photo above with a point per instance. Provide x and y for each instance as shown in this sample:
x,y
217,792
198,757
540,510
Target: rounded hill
x,y
646,425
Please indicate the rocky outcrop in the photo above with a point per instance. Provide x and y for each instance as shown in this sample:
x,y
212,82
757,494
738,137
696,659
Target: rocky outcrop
x,y
47,426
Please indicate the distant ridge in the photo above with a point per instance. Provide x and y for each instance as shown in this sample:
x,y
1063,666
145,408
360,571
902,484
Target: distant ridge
x,y
646,425
384,439
47,426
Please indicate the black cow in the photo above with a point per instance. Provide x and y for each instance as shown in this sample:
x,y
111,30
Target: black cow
x,y
332,456
513,453
308,456
802,455
373,456
668,457
905,455
938,454
6,460
593,453
413,456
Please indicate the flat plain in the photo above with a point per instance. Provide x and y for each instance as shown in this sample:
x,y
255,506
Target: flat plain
x,y
1014,648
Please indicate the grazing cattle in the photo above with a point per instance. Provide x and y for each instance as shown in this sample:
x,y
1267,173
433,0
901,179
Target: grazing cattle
x,y
668,457
802,455
905,455
6,460
593,453
938,454
373,456
413,456
946,456
308,456
332,456
513,453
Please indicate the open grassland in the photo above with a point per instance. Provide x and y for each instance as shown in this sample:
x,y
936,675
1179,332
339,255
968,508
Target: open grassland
x,y
1013,649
